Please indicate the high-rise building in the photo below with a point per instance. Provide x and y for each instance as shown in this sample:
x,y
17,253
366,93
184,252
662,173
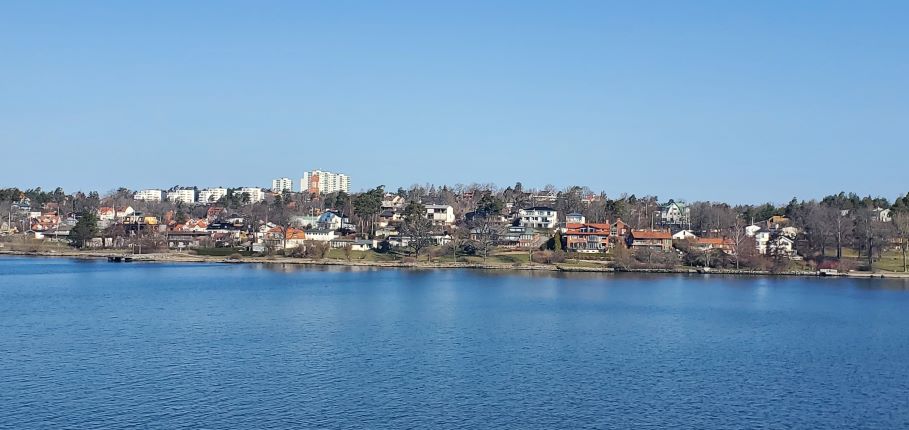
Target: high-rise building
x,y
150,195
281,184
211,195
256,194
183,195
322,182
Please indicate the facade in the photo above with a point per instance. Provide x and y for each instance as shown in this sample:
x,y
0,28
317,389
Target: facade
x,y
321,182
182,195
329,221
211,195
521,237
150,195
256,194
320,235
587,237
539,217
440,214
675,213
575,218
659,239
684,235
282,184
110,213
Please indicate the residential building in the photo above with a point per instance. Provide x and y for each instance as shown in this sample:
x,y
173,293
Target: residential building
x,y
182,195
256,194
582,237
440,214
282,184
675,213
658,239
321,182
539,217
277,237
211,195
355,244
329,221
575,218
393,202
684,235
150,195
320,235
111,213
521,237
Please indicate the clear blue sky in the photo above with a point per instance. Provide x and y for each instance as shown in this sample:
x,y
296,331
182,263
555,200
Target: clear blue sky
x,y
739,101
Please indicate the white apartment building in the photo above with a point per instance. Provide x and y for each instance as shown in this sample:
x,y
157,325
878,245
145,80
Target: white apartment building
x,y
281,184
440,214
211,195
539,217
182,195
150,195
322,182
256,194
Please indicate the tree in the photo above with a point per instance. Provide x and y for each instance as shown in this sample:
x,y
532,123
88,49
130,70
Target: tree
x,y
84,230
416,227
901,230
367,206
490,204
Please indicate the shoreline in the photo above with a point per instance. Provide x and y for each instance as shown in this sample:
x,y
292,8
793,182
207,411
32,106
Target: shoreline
x,y
172,257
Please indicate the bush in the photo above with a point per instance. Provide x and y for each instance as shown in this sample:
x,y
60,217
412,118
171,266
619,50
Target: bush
x,y
548,257
409,260
316,250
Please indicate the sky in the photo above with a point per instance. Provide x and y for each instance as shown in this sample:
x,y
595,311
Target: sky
x,y
732,101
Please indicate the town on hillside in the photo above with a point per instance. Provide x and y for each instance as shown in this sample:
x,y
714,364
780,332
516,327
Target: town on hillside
x,y
320,218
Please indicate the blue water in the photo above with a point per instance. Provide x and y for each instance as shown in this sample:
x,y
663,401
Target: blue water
x,y
101,345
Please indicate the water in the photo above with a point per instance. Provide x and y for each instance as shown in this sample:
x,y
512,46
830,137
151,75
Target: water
x,y
102,345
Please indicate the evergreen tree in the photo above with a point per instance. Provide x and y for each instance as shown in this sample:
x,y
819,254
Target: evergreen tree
x,y
84,230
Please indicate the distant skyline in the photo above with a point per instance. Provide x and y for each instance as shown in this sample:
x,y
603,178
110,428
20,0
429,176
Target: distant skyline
x,y
739,102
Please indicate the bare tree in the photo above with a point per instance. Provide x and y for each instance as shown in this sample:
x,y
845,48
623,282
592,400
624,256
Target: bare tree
x,y
901,229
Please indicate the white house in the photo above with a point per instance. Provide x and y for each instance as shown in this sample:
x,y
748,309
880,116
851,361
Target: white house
x,y
211,195
110,213
320,235
440,214
329,221
539,217
675,213
150,195
575,218
684,235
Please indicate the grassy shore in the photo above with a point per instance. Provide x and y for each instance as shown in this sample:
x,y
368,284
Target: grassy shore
x,y
372,259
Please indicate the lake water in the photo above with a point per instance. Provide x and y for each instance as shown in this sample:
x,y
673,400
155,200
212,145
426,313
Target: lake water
x,y
103,345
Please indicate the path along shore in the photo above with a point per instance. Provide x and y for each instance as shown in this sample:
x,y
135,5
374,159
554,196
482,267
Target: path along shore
x,y
179,257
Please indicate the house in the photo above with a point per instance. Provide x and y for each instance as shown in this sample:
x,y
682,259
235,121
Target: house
x,y
675,213
684,235
575,218
329,221
541,217
393,202
111,213
320,235
355,244
521,237
656,239
583,237
883,215
278,237
706,243
305,221
213,213
186,239
440,214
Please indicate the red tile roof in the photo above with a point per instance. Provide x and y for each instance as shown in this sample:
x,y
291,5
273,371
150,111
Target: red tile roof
x,y
651,234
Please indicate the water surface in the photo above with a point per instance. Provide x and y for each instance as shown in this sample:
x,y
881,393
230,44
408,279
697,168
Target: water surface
x,y
88,344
